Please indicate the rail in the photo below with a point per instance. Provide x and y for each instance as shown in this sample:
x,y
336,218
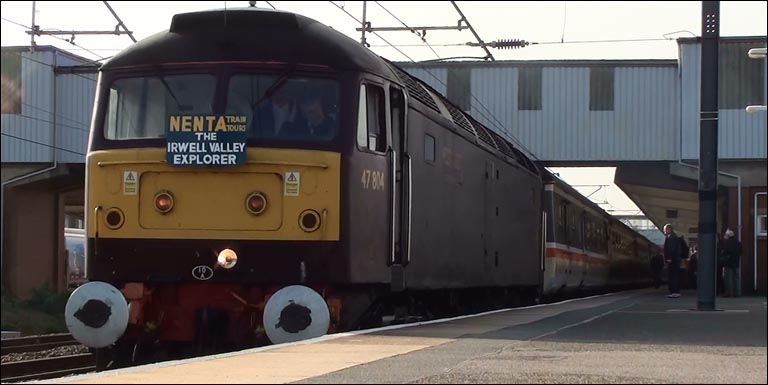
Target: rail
x,y
43,368
36,343
46,368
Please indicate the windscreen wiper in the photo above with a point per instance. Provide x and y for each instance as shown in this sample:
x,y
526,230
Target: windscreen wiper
x,y
179,106
274,87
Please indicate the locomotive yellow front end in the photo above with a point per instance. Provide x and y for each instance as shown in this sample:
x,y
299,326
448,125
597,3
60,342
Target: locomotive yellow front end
x,y
213,210
277,194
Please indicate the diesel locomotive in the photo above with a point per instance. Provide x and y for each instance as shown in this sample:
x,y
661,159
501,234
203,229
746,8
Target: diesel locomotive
x,y
255,175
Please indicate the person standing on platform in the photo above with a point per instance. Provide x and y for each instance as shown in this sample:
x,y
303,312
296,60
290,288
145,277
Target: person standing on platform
x,y
675,251
731,259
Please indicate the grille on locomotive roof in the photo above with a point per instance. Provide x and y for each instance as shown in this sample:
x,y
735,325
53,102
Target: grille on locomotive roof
x,y
482,133
503,145
459,118
416,90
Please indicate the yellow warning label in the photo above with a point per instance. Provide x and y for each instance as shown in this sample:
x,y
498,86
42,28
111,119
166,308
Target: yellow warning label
x,y
130,182
292,183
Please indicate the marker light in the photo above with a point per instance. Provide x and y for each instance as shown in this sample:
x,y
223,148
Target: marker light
x,y
256,203
164,202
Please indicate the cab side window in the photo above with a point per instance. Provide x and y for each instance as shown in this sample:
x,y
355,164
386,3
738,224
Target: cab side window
x,y
429,148
371,119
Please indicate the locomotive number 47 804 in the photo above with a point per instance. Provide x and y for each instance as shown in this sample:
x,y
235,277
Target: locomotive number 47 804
x,y
372,180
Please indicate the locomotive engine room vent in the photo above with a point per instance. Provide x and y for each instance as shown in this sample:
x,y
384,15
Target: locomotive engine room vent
x,y
415,89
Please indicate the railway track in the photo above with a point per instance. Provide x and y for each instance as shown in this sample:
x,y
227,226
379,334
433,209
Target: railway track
x,y
45,368
43,357
36,343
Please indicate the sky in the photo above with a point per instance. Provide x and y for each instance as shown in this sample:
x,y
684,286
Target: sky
x,y
596,183
559,28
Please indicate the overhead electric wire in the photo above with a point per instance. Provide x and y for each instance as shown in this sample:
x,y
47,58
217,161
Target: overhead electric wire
x,y
421,45
472,29
51,122
600,41
499,126
379,36
49,65
82,124
565,17
411,29
60,38
535,43
42,144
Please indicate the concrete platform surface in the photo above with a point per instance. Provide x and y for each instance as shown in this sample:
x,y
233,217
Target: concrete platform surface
x,y
631,337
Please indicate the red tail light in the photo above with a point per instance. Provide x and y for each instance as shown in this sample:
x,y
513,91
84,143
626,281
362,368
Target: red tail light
x,y
164,202
256,203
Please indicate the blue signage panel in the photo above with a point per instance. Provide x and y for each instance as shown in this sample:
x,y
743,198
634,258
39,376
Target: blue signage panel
x,y
206,140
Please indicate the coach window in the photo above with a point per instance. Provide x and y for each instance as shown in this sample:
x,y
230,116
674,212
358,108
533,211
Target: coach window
x,y
601,237
371,119
574,233
562,222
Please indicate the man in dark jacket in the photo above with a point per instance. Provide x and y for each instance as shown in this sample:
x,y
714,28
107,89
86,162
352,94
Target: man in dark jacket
x,y
731,257
314,124
278,112
674,252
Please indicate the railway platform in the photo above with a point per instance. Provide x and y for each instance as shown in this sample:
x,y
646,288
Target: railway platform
x,y
630,337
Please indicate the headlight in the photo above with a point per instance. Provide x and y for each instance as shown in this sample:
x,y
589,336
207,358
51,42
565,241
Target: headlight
x,y
115,218
227,258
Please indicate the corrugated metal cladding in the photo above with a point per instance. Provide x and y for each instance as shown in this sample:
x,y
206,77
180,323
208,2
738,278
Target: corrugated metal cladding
x,y
641,123
46,98
435,77
742,82
27,135
74,96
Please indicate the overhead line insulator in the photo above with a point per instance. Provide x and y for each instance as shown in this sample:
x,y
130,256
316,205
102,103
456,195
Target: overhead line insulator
x,y
502,44
509,43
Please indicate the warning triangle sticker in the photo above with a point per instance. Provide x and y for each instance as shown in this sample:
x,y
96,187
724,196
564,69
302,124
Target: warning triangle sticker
x,y
291,177
129,177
